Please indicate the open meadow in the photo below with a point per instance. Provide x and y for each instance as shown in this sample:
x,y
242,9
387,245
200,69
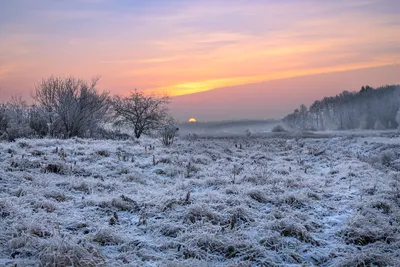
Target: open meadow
x,y
259,200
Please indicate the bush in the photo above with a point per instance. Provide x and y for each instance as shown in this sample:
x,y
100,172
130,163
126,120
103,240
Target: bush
x,y
38,121
278,129
14,120
168,134
72,106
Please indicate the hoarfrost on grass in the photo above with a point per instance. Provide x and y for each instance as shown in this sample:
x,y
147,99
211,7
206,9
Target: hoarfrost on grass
x,y
227,201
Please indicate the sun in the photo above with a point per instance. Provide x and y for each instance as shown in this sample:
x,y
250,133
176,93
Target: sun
x,y
192,120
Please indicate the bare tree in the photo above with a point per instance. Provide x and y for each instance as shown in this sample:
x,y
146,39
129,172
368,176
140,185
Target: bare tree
x,y
143,112
73,106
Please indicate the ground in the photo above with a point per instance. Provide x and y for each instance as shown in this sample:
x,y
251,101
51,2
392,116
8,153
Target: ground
x,y
266,200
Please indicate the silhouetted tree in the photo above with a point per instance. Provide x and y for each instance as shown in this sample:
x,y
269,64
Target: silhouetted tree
x,y
143,112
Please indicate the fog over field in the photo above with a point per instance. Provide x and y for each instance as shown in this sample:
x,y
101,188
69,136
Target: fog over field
x,y
263,199
226,128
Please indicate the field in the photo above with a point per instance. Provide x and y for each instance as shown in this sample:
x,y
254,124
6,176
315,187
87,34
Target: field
x,y
266,200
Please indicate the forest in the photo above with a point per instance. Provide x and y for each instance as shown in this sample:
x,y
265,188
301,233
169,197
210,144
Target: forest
x,y
369,108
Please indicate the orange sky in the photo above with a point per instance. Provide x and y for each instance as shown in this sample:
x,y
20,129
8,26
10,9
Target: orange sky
x,y
181,47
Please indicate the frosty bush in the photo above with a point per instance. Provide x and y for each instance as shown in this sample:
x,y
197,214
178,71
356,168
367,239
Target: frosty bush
x,y
14,120
278,129
168,134
73,106
38,121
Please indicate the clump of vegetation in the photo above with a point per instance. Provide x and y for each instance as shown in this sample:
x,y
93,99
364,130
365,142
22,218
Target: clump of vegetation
x,y
369,257
5,208
124,203
14,120
58,251
289,228
368,227
105,237
72,107
59,196
103,153
278,129
387,158
55,168
46,205
258,196
196,213
168,134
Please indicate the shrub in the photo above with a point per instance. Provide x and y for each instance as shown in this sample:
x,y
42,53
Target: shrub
x,y
278,129
168,134
72,106
38,121
14,120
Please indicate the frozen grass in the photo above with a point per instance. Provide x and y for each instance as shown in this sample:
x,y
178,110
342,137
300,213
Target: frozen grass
x,y
226,201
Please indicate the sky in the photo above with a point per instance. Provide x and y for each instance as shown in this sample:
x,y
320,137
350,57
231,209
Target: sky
x,y
183,47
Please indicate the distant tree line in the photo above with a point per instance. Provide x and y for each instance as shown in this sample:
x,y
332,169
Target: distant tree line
x,y
70,107
369,108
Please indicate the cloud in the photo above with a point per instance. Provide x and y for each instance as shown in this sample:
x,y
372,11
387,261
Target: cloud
x,y
5,69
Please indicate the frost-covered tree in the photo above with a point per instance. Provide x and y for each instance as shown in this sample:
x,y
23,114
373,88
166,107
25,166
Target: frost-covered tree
x,y
143,112
398,119
74,107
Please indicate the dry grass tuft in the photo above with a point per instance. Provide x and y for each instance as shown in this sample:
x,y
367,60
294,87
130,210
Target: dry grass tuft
x,y
60,252
55,168
59,196
23,165
369,257
5,208
105,237
258,196
369,227
290,228
196,213
170,230
103,153
124,203
46,205
293,201
83,187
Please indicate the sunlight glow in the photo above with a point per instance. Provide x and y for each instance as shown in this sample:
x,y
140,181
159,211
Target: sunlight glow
x,y
179,48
